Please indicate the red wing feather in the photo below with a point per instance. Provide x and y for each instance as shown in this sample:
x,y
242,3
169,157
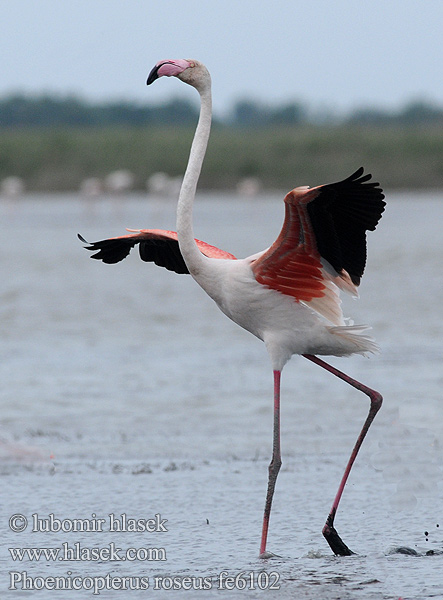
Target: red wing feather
x,y
292,265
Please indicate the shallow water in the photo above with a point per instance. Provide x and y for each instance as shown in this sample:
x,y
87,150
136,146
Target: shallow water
x,y
124,390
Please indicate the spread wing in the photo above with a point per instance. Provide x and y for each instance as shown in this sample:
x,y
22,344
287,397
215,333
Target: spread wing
x,y
323,240
155,245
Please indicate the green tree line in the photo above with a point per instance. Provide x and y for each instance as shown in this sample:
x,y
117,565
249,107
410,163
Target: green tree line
x,y
282,157
49,111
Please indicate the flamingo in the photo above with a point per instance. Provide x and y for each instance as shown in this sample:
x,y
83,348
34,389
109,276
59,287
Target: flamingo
x,y
286,295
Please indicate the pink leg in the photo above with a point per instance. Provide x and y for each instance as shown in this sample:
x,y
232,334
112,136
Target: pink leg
x,y
274,466
331,535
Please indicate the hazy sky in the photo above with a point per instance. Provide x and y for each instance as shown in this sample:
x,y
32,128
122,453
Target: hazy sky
x,y
338,53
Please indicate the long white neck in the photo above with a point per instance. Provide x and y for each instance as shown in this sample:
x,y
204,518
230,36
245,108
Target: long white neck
x,y
194,259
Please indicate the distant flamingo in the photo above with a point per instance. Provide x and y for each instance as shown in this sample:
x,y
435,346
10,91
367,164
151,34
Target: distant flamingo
x,y
119,182
286,295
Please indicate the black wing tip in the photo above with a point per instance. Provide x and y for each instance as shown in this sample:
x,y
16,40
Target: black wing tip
x,y
358,173
82,239
109,251
371,188
359,177
89,245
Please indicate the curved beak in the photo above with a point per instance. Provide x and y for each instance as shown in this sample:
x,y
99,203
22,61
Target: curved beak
x,y
153,75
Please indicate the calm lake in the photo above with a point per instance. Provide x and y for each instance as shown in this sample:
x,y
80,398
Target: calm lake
x,y
125,391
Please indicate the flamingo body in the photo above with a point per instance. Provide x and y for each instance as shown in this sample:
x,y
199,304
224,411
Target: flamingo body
x,y
286,295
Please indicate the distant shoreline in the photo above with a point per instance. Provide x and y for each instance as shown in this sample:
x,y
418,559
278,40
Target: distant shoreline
x,y
281,157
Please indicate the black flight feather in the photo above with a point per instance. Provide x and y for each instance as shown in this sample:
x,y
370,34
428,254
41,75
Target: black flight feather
x,y
340,216
163,252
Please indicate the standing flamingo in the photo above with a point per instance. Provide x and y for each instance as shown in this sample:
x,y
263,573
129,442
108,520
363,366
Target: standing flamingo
x,y
286,295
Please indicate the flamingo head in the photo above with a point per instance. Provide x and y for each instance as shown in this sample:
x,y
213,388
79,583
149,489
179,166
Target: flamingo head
x,y
192,72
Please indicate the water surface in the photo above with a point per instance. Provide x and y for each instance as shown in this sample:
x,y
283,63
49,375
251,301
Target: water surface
x,y
124,390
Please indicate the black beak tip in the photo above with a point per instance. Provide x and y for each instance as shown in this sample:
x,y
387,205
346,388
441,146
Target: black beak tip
x,y
153,75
